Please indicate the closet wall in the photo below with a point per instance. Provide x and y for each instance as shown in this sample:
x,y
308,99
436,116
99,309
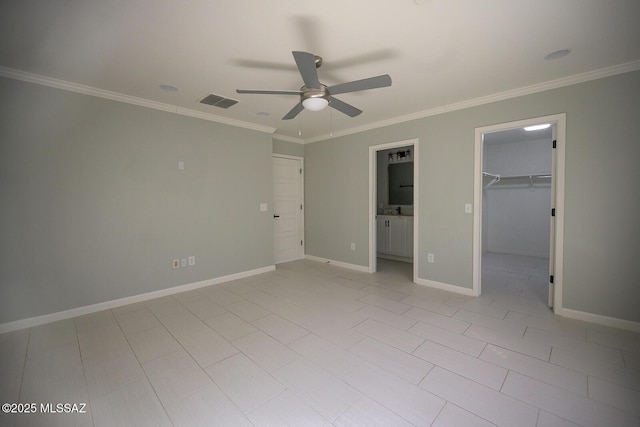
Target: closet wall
x,y
516,212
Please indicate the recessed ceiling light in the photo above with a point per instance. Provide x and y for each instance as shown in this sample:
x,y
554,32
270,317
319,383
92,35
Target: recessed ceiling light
x,y
537,127
168,88
557,54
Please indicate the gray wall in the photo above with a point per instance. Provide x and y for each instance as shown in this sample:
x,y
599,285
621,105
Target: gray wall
x,y
602,204
94,207
287,147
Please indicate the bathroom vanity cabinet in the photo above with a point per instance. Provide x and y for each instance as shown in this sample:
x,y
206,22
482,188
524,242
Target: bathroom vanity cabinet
x,y
395,235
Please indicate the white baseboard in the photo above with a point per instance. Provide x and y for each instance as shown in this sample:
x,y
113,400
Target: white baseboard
x,y
445,287
600,319
88,309
338,263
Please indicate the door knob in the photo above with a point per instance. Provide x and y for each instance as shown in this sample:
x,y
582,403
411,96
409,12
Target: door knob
x,y
276,216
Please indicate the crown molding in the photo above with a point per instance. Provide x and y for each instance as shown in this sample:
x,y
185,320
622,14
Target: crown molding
x,y
514,93
115,96
501,96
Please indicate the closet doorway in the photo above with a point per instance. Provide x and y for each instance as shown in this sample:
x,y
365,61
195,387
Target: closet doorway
x,y
516,229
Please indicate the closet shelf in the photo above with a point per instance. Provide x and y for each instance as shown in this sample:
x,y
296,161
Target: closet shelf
x,y
495,178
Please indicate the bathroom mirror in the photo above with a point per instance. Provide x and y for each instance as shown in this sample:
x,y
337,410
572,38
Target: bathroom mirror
x,y
401,183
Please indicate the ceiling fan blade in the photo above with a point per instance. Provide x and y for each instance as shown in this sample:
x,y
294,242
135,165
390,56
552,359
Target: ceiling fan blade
x,y
264,65
307,66
343,107
364,84
294,111
270,92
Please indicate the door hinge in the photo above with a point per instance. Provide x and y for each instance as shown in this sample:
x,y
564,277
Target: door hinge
x,y
554,143
553,147
553,212
551,279
300,207
300,242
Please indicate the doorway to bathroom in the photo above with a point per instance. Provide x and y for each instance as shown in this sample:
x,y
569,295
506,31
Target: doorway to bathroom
x,y
393,207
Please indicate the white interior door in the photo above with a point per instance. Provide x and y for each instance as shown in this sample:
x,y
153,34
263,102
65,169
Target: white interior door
x,y
287,209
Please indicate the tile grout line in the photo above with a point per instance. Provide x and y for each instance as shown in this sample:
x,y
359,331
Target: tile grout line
x,y
144,372
203,369
24,369
321,281
84,370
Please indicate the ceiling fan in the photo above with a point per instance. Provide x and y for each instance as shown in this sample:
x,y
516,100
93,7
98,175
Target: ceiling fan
x,y
314,95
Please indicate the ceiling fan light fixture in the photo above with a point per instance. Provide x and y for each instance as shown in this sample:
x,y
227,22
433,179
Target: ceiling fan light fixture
x,y
315,104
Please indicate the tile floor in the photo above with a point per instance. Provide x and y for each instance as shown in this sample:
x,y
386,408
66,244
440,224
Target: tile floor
x,y
314,344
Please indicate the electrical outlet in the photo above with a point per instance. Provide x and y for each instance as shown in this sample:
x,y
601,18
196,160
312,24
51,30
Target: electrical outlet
x,y
192,260
430,257
353,246
176,263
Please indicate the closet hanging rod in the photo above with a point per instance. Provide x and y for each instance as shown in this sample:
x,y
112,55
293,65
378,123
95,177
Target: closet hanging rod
x,y
497,178
535,175
500,177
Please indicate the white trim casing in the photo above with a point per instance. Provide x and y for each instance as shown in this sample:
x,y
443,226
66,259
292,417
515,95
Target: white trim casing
x,y
559,120
445,286
338,263
373,209
107,305
613,322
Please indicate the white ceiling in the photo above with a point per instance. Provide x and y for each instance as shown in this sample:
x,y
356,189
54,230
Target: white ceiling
x,y
438,52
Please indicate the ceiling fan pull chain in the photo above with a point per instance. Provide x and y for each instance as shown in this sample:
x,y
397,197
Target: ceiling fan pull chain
x,y
330,123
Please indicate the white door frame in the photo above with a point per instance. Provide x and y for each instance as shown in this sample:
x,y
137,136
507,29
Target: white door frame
x,y
559,120
373,209
301,159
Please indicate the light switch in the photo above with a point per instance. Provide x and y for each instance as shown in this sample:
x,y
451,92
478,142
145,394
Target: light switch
x,y
263,207
180,165
467,208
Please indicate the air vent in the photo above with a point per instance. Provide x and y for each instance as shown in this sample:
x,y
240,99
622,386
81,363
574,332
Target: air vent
x,y
218,101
